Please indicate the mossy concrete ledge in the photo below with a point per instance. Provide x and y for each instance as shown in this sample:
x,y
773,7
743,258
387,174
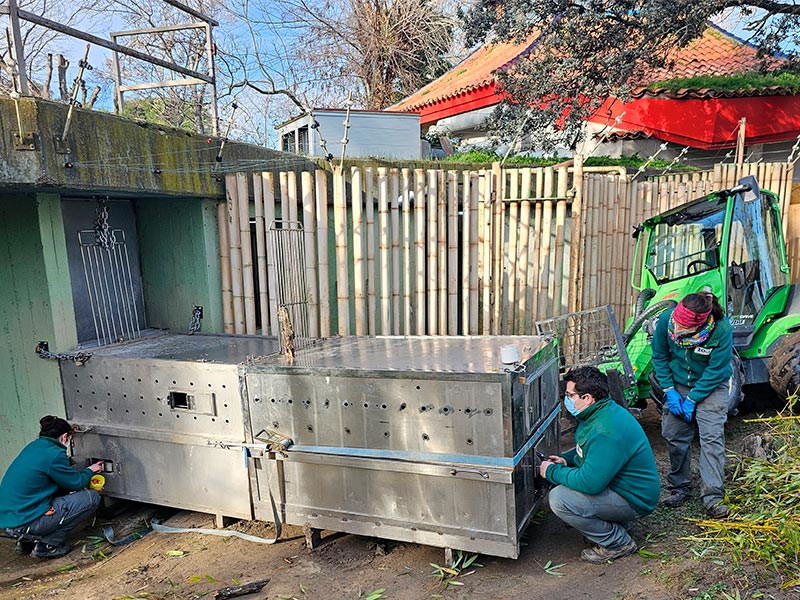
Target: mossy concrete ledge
x,y
107,154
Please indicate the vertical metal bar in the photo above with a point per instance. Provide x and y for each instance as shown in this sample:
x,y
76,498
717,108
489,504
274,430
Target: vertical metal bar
x,y
21,74
133,295
212,74
88,288
122,304
115,70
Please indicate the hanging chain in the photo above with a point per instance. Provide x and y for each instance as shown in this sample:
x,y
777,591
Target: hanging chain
x,y
194,324
79,358
103,236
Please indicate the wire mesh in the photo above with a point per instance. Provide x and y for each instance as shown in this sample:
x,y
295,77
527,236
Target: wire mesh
x,y
286,242
588,338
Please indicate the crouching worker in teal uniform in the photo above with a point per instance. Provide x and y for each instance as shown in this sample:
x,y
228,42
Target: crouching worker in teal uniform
x,y
610,478
36,507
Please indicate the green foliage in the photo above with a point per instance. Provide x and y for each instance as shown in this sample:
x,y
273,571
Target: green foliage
x,y
576,55
739,81
487,156
448,576
764,524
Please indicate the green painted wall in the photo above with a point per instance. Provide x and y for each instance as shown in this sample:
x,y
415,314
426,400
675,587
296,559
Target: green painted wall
x,y
179,247
35,304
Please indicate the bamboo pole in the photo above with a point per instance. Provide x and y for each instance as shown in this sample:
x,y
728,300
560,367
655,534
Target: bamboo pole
x,y
225,268
441,221
486,252
268,191
321,188
310,234
261,252
283,183
535,261
561,218
394,205
452,251
419,246
547,243
433,258
407,195
372,278
359,283
498,249
291,195
248,288
384,250
474,271
340,227
466,217
236,253
511,259
576,270
523,322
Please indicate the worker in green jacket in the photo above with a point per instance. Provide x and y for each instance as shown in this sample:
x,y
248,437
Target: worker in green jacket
x,y
610,478
692,352
42,497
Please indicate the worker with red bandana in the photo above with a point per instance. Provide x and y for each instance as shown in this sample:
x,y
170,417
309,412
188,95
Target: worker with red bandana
x,y
692,352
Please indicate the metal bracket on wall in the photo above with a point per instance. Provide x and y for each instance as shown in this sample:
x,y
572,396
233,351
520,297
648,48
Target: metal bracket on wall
x,y
61,145
24,140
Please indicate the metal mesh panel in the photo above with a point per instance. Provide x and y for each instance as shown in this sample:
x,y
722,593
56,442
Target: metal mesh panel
x,y
109,281
588,338
286,242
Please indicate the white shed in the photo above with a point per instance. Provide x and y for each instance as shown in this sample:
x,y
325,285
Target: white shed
x,y
372,133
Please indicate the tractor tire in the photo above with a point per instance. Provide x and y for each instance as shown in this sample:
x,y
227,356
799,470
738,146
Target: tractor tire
x,y
735,391
784,366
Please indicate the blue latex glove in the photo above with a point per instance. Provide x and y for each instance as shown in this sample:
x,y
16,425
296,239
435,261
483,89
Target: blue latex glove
x,y
688,407
674,402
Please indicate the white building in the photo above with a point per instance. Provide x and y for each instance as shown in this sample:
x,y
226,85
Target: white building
x,y
371,134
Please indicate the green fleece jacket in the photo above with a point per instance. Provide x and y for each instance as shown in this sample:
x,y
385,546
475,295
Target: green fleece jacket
x,y
35,476
703,368
611,451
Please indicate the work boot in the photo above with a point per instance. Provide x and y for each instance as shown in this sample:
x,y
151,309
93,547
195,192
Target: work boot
x,y
719,510
43,550
600,555
24,547
676,499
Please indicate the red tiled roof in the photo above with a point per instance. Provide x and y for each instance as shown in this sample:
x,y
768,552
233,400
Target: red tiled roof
x,y
471,84
716,52
474,72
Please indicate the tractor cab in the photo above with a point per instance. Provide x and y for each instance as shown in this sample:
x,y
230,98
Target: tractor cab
x,y
731,242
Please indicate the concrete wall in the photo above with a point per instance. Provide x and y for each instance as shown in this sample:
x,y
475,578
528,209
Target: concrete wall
x,y
35,304
173,180
179,247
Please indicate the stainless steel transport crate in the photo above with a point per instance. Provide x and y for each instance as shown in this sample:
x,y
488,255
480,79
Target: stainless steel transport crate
x,y
422,439
152,404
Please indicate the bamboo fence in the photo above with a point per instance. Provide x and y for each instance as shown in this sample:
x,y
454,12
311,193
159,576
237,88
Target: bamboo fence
x,y
396,251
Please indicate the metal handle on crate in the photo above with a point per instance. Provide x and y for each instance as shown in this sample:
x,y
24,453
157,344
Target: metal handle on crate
x,y
483,474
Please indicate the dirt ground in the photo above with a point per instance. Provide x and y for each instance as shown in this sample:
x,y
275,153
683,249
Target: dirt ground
x,y
347,567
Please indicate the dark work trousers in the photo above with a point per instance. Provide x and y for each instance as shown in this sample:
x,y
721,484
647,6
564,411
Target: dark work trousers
x,y
69,512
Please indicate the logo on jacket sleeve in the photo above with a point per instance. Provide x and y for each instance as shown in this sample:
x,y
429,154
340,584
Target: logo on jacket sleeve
x,y
579,451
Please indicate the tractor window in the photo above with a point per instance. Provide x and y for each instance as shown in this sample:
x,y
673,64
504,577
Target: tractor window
x,y
685,244
754,259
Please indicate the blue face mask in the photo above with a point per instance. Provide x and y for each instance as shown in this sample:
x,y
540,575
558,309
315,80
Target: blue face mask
x,y
569,404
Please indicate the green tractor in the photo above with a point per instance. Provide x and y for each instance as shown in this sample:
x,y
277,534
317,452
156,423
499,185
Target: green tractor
x,y
730,243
